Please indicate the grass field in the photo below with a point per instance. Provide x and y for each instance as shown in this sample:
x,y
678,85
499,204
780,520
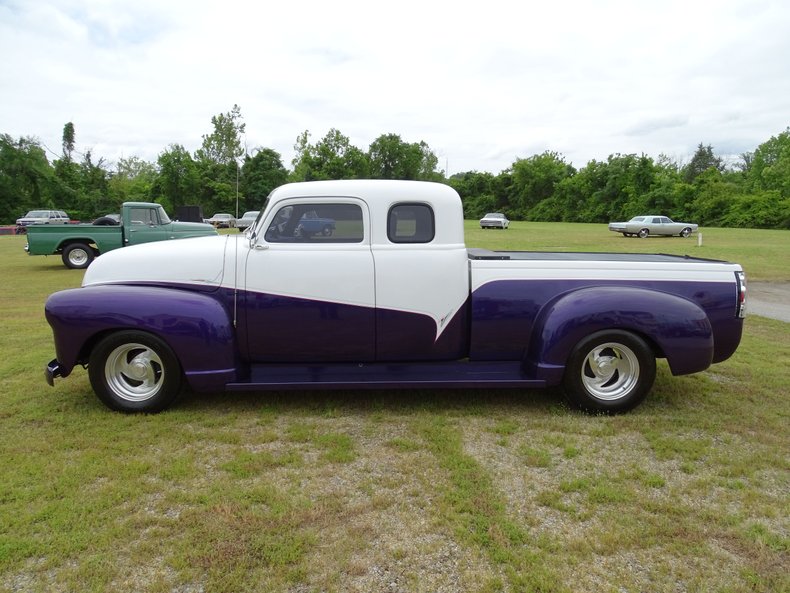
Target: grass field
x,y
390,491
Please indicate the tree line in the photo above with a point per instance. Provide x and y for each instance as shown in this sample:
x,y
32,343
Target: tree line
x,y
754,192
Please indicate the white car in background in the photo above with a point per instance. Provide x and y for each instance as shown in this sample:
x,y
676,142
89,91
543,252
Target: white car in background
x,y
42,217
246,221
494,220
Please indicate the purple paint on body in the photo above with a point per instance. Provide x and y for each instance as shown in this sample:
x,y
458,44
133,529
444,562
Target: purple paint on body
x,y
195,325
506,313
534,323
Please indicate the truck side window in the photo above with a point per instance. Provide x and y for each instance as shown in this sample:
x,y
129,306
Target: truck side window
x,y
144,216
317,223
411,223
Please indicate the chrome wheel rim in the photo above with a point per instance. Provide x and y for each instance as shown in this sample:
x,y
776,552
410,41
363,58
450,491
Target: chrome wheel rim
x,y
134,372
78,257
610,371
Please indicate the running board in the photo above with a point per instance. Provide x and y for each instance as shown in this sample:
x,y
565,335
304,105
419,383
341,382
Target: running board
x,y
445,375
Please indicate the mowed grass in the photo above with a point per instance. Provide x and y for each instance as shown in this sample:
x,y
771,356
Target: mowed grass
x,y
400,491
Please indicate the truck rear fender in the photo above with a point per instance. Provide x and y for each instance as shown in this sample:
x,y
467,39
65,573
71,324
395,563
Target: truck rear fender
x,y
675,328
197,326
71,240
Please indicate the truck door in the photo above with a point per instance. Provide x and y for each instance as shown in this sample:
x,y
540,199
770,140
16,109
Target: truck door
x,y
422,283
309,284
143,225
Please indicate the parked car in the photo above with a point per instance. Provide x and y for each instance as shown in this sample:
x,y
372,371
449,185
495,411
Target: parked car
x,y
41,217
246,220
644,226
494,220
222,221
311,224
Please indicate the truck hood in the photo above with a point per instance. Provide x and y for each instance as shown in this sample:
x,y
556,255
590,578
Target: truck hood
x,y
194,228
200,262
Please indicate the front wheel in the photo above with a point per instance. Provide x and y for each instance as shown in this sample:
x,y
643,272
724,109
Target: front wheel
x,y
609,371
133,371
77,256
685,232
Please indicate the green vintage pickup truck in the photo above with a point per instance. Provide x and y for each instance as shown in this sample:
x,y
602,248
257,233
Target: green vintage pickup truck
x,y
140,222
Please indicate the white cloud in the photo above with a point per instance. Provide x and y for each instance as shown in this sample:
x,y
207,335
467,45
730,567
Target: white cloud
x,y
481,83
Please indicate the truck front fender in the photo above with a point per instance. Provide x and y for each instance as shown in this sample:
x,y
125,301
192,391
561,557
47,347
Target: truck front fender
x,y
677,328
196,326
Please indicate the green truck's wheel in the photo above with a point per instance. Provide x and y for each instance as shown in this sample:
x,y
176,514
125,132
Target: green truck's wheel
x,y
77,256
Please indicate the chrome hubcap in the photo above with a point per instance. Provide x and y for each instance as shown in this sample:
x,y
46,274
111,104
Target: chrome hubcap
x,y
78,256
610,371
134,372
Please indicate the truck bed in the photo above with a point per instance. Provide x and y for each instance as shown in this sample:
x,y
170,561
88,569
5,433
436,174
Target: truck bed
x,y
47,239
486,254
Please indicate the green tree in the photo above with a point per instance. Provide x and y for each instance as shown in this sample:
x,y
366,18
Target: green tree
x,y
177,181
333,157
477,193
535,179
26,178
770,165
703,159
764,209
602,191
132,181
301,161
260,174
392,158
223,146
68,140
429,164
67,184
712,197
93,199
217,165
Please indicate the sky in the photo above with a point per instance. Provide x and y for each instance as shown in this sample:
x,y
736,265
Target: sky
x,y
482,83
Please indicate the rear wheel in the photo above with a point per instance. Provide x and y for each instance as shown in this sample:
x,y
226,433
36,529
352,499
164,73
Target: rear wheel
x,y
609,371
133,371
77,256
643,233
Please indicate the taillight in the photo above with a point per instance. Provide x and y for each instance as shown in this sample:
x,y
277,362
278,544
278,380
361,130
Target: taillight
x,y
740,277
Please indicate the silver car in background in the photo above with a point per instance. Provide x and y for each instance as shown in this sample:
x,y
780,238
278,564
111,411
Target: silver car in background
x,y
246,221
494,220
222,220
644,226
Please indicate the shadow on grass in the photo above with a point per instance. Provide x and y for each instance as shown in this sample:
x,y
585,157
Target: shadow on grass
x,y
53,263
467,401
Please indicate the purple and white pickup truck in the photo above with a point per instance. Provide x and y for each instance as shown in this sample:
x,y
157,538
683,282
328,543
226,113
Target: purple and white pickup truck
x,y
391,299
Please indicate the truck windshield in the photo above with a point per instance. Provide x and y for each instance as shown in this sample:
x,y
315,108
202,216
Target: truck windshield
x,y
163,217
